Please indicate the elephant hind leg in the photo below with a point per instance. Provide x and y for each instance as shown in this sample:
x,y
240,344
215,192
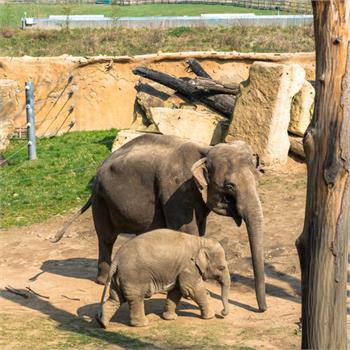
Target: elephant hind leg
x,y
109,309
137,312
106,238
173,298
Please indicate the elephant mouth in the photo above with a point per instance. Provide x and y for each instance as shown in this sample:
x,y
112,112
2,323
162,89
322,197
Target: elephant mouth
x,y
221,206
231,204
227,206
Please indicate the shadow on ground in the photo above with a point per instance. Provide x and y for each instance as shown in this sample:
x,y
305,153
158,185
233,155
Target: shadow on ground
x,y
152,306
271,289
69,322
81,268
84,268
107,141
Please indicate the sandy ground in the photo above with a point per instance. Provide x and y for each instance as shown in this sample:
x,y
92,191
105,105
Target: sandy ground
x,y
65,272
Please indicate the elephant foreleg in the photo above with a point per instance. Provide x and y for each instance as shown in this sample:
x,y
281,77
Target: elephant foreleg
x,y
137,312
106,237
199,295
105,248
173,298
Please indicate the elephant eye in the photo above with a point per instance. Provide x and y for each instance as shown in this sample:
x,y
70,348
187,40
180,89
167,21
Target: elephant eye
x,y
221,268
230,186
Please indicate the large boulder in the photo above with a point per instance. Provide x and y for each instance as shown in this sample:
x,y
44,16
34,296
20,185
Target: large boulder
x,y
125,136
151,94
8,110
203,127
302,109
297,147
262,111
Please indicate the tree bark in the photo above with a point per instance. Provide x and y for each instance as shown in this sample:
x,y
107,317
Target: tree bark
x,y
197,69
323,245
210,92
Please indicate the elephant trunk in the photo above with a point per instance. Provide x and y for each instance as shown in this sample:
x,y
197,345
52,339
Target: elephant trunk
x,y
254,223
225,287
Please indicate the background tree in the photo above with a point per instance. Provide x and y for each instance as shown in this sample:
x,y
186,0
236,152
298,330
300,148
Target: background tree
x,y
323,245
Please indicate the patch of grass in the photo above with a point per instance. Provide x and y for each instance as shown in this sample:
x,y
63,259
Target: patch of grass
x,y
66,331
179,335
178,31
32,191
38,332
10,14
133,41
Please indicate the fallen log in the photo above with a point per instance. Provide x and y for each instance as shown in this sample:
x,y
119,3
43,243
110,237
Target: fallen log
x,y
210,86
210,92
196,68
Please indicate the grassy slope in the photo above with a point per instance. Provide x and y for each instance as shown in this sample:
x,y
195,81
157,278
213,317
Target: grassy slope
x,y
118,41
57,181
10,14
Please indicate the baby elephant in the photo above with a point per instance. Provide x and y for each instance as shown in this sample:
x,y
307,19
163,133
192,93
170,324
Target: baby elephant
x,y
164,261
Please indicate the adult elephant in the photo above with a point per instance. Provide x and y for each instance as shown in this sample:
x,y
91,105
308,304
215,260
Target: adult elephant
x,y
159,181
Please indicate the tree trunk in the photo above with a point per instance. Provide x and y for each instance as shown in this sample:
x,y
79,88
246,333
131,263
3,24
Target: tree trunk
x,y
323,245
210,92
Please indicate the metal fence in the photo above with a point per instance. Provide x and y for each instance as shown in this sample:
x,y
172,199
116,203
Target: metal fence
x,y
57,22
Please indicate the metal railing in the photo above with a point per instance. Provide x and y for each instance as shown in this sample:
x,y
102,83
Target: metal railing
x,y
168,21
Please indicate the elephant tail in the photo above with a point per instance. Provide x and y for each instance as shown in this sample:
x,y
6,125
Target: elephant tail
x,y
113,270
61,232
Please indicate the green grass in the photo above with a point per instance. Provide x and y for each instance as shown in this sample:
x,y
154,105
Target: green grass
x,y
58,330
32,191
128,41
60,333
66,331
10,14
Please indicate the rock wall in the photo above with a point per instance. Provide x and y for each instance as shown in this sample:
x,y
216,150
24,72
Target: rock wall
x,y
8,109
262,111
302,109
76,93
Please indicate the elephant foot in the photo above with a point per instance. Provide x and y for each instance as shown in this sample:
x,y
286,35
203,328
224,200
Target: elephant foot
x,y
102,272
101,279
169,315
139,323
208,314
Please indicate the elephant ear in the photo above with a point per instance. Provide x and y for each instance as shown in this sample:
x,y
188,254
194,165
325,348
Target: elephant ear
x,y
201,260
256,168
200,175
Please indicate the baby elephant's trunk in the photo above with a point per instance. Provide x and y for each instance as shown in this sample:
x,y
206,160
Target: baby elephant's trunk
x,y
225,288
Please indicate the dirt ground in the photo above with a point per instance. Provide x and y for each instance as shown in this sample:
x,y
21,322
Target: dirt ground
x,y
63,273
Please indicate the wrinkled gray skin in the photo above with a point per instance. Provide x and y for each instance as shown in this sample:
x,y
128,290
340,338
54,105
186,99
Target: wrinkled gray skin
x,y
159,181
164,261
